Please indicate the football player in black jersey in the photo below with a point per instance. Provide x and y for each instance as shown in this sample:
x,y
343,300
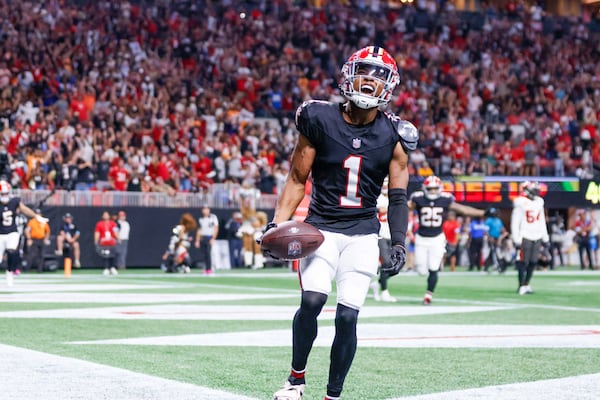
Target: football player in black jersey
x,y
9,233
349,149
432,205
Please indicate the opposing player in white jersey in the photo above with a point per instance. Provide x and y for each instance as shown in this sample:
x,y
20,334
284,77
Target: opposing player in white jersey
x,y
529,231
432,205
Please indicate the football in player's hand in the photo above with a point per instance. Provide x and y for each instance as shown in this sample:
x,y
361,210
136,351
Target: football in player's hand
x,y
291,240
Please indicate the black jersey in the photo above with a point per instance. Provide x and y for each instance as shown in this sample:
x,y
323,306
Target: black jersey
x,y
432,212
69,229
9,216
350,165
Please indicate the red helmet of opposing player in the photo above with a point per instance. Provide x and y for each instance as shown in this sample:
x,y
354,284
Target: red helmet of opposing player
x,y
372,63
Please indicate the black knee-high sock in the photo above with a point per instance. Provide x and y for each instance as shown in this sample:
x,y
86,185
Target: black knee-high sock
x,y
383,278
343,348
432,281
12,260
522,272
304,330
529,273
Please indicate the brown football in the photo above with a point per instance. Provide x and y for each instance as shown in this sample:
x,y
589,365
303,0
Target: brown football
x,y
291,240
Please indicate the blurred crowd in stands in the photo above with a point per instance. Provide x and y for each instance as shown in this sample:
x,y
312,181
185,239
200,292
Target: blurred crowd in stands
x,y
176,95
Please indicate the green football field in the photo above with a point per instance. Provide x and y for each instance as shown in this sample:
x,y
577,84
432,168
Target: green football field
x,y
148,335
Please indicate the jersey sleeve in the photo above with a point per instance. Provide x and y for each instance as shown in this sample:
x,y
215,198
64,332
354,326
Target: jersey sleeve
x,y
449,198
515,222
306,121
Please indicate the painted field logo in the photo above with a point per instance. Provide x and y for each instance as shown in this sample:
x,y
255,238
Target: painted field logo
x,y
294,248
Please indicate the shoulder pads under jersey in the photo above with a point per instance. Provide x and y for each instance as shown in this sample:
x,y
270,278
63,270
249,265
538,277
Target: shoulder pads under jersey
x,y
409,135
407,132
416,194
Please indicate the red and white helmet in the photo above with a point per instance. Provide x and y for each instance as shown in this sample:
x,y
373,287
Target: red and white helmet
x,y
372,62
530,189
432,187
5,190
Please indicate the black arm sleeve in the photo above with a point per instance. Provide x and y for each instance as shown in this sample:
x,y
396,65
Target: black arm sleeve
x,y
398,215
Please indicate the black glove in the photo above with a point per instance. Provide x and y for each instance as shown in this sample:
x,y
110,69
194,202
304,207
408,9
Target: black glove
x,y
398,260
490,212
270,225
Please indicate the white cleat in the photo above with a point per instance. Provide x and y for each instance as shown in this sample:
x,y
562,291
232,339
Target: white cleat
x,y
523,290
289,392
106,272
528,289
9,278
113,271
387,297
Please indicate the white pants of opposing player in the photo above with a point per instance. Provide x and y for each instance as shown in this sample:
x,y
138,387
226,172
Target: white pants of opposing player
x,y
9,241
429,253
351,260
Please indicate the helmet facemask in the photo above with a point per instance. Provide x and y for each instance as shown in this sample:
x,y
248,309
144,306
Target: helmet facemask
x,y
5,190
432,186
531,189
369,77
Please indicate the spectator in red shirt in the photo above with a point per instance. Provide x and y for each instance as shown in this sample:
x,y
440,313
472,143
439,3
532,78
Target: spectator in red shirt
x,y
452,229
78,107
158,168
105,240
119,176
203,165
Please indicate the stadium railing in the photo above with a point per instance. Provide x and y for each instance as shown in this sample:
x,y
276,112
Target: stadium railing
x,y
225,196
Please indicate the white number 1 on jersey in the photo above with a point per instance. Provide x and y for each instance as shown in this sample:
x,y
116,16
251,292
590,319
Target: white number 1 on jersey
x,y
352,199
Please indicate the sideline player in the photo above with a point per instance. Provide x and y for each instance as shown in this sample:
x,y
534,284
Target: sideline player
x,y
529,230
9,234
349,148
432,205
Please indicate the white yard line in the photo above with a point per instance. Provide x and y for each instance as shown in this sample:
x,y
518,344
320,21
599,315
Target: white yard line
x,y
396,336
582,387
132,298
197,312
33,375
